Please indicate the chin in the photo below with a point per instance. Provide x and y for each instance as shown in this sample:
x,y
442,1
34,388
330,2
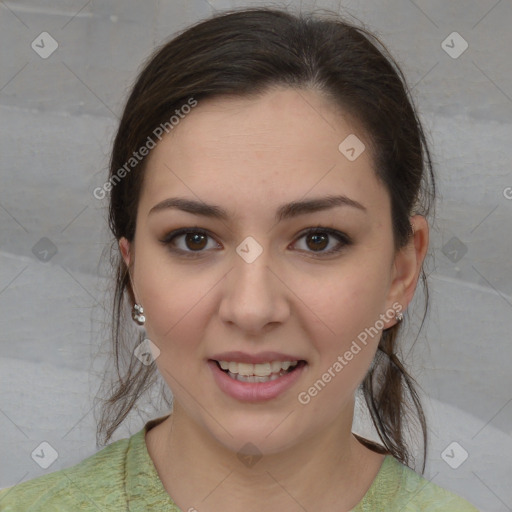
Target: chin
x,y
257,437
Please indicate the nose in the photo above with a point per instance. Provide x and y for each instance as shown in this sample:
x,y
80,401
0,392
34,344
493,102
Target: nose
x,y
254,295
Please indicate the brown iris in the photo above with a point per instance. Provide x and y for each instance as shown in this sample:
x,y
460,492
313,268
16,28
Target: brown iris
x,y
317,237
195,238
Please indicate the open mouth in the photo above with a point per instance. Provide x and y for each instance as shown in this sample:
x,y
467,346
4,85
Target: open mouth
x,y
265,372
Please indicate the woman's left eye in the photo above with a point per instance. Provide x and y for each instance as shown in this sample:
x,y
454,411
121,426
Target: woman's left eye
x,y
195,241
318,238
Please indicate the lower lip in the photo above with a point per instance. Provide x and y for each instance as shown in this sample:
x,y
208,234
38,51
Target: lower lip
x,y
254,391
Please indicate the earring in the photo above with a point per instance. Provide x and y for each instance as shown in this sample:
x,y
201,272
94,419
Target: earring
x,y
399,316
138,314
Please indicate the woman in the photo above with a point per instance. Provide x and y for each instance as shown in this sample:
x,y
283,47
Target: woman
x,y
269,188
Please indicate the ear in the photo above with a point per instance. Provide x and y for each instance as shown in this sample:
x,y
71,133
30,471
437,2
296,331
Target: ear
x,y
124,246
408,262
127,254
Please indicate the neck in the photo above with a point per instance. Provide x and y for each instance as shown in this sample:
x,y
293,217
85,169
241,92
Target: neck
x,y
201,474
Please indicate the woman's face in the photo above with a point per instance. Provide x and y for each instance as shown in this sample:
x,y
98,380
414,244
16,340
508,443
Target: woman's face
x,y
252,286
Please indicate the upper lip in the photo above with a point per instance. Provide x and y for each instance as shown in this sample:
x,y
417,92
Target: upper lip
x,y
262,357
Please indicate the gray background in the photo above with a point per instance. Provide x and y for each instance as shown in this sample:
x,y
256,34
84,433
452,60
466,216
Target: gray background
x,y
59,116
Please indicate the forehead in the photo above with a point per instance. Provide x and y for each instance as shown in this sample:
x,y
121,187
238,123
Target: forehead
x,y
300,120
278,146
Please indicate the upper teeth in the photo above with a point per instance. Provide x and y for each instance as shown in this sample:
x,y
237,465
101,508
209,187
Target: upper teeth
x,y
261,370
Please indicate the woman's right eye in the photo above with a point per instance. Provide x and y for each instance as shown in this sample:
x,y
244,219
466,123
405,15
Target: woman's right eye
x,y
194,241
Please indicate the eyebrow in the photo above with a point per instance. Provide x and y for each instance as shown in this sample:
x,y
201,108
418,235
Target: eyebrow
x,y
286,211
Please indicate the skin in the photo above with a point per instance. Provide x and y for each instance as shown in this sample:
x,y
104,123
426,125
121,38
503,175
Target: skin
x,y
250,156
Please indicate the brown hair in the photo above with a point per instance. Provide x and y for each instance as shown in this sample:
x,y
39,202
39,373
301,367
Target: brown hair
x,y
242,53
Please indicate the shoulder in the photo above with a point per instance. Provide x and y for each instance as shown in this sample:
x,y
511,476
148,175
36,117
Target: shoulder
x,y
94,483
423,495
398,487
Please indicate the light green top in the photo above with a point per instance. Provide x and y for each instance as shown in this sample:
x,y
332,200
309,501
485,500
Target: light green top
x,y
122,477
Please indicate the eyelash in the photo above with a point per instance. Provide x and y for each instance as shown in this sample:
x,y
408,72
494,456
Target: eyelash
x,y
344,240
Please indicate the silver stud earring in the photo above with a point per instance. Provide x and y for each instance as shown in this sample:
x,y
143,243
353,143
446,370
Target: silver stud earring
x,y
138,314
399,316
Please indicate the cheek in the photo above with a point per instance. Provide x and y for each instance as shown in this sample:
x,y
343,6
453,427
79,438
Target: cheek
x,y
177,305
166,294
169,305
174,322
346,338
345,341
349,304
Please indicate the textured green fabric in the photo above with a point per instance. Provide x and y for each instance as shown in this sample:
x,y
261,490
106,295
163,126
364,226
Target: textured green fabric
x,y
122,477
